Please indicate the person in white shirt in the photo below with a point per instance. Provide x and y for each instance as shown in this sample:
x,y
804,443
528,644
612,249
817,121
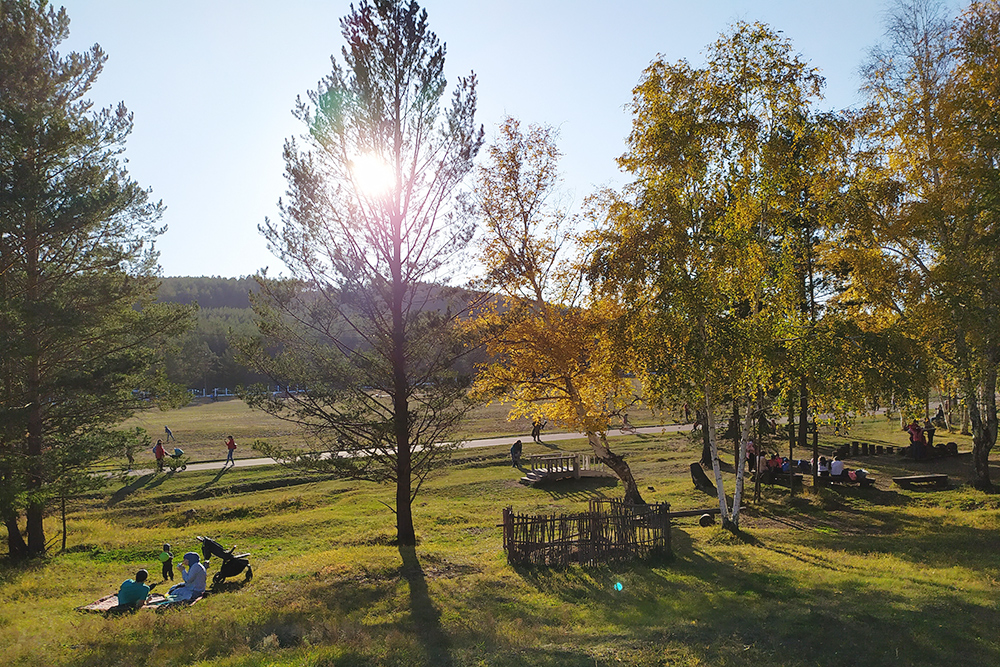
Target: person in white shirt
x,y
836,467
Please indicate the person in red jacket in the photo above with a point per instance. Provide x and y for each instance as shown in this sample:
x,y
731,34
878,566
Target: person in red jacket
x,y
159,452
231,446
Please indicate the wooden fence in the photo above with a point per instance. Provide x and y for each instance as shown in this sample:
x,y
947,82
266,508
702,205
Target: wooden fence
x,y
611,531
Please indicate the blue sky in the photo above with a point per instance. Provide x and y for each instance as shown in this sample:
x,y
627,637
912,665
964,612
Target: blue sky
x,y
212,85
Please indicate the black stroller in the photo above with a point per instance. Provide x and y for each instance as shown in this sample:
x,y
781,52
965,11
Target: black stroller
x,y
231,565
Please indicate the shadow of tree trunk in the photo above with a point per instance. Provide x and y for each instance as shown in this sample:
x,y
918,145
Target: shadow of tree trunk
x,y
426,617
124,492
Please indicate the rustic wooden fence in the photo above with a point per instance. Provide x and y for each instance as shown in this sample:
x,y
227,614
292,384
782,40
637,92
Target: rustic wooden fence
x,y
611,531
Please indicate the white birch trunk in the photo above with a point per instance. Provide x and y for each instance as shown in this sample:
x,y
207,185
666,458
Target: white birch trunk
x,y
741,463
710,425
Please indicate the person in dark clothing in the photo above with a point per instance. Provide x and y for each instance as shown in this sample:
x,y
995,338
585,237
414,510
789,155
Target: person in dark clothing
x,y
536,430
167,558
929,430
515,454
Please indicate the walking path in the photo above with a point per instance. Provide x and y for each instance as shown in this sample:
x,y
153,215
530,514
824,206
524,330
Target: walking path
x,y
504,441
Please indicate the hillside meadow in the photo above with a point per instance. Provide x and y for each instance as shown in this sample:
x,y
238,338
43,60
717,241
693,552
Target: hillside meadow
x,y
881,576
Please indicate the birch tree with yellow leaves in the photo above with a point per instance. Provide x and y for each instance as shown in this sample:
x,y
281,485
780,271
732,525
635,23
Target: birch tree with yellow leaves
x,y
693,245
547,338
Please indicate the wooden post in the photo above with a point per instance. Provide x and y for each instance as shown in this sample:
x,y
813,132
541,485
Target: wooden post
x,y
64,522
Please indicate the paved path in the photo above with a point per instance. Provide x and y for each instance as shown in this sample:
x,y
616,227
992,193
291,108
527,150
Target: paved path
x,y
504,441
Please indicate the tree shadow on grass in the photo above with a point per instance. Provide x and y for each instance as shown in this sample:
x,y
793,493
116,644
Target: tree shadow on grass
x,y
578,489
425,616
732,609
214,480
124,492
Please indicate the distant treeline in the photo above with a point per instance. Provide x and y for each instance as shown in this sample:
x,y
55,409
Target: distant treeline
x,y
208,292
203,359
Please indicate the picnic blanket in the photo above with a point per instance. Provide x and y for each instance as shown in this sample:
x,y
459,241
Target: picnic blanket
x,y
155,601
108,602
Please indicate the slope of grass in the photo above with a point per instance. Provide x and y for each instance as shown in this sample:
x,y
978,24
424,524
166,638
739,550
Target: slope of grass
x,y
880,576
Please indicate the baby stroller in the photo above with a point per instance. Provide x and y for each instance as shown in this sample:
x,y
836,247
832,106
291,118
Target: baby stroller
x,y
231,565
177,460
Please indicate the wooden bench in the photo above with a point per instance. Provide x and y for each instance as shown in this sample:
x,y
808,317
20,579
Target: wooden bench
x,y
938,480
863,482
779,478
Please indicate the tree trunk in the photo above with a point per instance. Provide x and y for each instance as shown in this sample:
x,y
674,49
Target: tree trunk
x,y
599,443
16,546
984,427
716,469
706,443
405,535
741,459
35,512
791,418
62,511
803,438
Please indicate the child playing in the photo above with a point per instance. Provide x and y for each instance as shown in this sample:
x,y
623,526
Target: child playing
x,y
168,563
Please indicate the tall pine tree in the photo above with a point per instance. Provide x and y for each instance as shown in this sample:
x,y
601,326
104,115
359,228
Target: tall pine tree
x,y
78,329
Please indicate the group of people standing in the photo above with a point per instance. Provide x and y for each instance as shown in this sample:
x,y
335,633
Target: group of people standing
x,y
160,452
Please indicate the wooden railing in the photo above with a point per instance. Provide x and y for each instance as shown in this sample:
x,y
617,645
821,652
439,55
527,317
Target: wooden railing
x,y
564,462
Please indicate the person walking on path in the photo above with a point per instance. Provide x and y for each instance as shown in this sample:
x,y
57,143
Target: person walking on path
x,y
159,452
536,430
515,454
170,435
231,446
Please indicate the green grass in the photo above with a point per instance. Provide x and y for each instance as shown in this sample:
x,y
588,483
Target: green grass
x,y
880,576
201,427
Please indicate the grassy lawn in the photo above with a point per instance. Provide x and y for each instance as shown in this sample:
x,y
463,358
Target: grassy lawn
x,y
844,576
201,427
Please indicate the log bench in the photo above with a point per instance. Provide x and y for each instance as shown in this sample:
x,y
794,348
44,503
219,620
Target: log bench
x,y
937,480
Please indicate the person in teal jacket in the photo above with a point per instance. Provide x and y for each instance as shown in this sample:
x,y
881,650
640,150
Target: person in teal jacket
x,y
133,592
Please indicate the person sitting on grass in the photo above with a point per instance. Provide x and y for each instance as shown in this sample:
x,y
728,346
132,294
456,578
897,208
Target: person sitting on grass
x,y
194,575
823,468
133,592
836,467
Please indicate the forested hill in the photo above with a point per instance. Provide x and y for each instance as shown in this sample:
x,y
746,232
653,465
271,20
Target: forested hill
x,y
203,358
207,292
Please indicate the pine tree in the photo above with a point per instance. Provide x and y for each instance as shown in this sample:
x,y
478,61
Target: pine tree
x,y
371,219
78,330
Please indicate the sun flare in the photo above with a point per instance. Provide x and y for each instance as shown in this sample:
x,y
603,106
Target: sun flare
x,y
372,176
